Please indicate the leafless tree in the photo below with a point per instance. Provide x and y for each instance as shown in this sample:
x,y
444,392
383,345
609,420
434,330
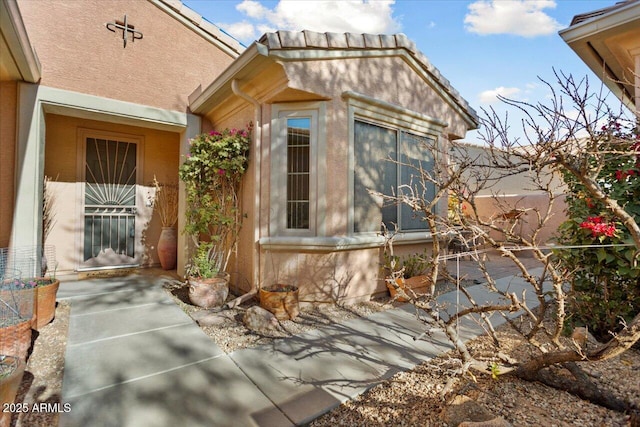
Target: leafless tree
x,y
561,136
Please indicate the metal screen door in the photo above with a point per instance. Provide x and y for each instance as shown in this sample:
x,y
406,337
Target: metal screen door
x,y
109,203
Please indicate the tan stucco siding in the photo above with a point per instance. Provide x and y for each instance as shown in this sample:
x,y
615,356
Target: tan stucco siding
x,y
79,53
159,158
347,276
390,79
8,111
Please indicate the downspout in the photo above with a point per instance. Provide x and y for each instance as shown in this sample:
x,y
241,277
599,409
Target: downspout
x,y
258,155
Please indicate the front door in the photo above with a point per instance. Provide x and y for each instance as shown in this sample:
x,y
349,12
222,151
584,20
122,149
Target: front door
x,y
110,179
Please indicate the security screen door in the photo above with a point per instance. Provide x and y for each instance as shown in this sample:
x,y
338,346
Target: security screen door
x,y
109,211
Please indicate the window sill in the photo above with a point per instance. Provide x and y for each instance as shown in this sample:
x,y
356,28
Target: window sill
x,y
340,243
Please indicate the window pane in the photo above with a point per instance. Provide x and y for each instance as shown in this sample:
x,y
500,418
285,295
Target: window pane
x,y
415,152
298,161
374,145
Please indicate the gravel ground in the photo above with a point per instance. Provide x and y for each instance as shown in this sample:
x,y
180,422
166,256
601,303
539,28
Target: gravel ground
x,y
408,399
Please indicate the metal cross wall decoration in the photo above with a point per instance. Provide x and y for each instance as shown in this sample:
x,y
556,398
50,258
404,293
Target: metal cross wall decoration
x,y
126,28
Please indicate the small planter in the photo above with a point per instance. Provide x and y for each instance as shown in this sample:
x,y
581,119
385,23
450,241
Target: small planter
x,y
400,281
417,284
45,308
209,293
281,300
11,372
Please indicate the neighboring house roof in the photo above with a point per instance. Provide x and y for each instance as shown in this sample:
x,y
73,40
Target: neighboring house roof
x,y
294,45
18,59
586,16
607,40
199,24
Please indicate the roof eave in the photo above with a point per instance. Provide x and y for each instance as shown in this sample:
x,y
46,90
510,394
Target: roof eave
x,y
203,101
578,38
20,48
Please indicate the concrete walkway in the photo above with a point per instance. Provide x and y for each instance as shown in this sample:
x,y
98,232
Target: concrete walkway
x,y
135,359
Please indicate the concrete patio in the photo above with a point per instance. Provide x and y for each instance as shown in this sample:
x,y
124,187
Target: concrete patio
x,y
134,358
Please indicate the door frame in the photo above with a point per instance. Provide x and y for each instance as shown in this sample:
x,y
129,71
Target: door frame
x,y
82,135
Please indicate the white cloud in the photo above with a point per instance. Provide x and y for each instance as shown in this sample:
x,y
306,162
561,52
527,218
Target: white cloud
x,y
357,16
520,17
241,30
491,96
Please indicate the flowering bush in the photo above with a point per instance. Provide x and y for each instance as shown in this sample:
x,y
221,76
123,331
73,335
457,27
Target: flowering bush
x,y
605,279
212,173
599,227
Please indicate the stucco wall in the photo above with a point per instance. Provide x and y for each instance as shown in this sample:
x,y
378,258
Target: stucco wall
x,y
8,94
390,79
160,158
492,208
79,53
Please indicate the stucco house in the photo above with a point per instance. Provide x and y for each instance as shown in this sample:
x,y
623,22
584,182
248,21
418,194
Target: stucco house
x,y
327,110
97,92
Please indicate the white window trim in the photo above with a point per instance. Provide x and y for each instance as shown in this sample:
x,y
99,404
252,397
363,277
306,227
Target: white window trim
x,y
382,113
317,166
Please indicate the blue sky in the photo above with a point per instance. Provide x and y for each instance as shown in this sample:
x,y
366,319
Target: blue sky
x,y
482,47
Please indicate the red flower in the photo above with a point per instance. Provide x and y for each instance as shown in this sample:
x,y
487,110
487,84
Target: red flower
x,y
599,227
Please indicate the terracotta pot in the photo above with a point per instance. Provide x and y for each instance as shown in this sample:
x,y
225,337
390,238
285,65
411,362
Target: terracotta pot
x,y
209,293
281,300
168,248
15,339
392,290
9,386
46,303
418,284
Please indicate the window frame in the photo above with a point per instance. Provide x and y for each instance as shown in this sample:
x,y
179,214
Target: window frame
x,y
280,114
386,115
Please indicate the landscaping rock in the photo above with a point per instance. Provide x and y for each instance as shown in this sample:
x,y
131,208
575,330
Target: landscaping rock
x,y
257,319
466,413
214,319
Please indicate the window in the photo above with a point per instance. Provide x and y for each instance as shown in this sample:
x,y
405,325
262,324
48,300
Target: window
x,y
298,173
383,160
296,158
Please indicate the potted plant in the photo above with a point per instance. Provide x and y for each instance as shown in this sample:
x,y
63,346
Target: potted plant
x,y
41,291
212,173
405,276
166,205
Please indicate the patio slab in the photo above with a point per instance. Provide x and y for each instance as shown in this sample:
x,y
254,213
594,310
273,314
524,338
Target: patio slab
x,y
211,393
138,355
135,358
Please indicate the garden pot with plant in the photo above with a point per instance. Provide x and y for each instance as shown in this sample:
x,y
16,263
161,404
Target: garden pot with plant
x,y
42,290
212,173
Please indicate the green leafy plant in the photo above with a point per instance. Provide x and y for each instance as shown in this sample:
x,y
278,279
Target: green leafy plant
x,y
212,173
605,279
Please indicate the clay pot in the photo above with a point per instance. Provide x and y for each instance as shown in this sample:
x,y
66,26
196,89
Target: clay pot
x,y
168,248
281,300
418,284
45,308
209,293
9,385
15,339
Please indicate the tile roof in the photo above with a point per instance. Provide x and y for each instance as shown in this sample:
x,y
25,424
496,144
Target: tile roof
x,y
589,15
202,24
283,40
